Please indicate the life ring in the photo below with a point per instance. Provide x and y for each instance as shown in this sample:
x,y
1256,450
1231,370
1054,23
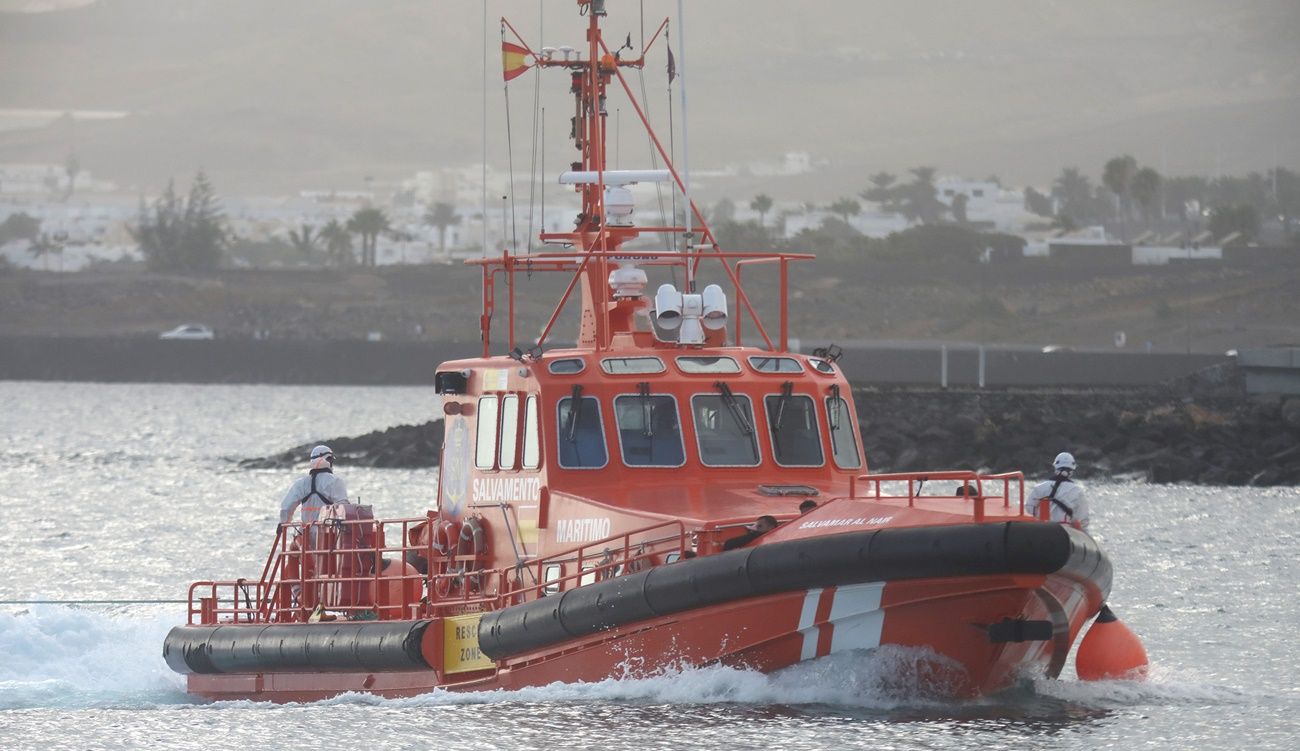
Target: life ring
x,y
473,542
445,538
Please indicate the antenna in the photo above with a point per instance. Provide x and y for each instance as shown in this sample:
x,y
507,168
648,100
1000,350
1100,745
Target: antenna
x,y
682,71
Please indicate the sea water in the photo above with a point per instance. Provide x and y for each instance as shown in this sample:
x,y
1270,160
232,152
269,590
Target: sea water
x,y
129,492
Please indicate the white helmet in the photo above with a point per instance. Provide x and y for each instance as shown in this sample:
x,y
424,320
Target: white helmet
x,y
322,457
1064,461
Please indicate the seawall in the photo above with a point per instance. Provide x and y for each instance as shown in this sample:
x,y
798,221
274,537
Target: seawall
x,y
351,362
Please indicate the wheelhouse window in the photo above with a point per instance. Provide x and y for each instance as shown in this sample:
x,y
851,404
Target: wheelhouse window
x,y
821,366
581,437
509,432
567,366
792,422
486,449
844,441
724,429
649,432
775,365
696,365
632,365
532,444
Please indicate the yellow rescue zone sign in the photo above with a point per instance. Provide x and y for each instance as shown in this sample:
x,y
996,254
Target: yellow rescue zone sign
x,y
460,652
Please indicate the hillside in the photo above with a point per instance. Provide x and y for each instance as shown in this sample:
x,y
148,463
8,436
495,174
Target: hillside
x,y
1030,303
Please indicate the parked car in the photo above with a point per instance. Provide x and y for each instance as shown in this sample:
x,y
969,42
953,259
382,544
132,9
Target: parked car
x,y
188,331
1054,348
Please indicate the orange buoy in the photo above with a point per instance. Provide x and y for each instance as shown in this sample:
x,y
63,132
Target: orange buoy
x,y
1110,651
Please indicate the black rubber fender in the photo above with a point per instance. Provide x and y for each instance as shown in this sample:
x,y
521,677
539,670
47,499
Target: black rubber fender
x,y
831,560
697,582
370,646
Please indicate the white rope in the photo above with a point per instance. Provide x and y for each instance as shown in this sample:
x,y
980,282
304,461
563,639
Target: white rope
x,y
94,602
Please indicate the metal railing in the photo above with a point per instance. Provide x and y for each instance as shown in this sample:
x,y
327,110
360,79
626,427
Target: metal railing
x,y
346,568
916,483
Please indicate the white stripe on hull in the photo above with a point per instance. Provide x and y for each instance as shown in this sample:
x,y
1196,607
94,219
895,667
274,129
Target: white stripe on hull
x,y
806,627
855,619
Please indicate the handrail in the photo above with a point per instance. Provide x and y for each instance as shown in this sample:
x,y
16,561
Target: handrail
x,y
352,578
916,482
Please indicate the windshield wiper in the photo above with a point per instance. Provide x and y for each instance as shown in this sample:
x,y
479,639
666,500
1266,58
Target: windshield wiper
x,y
575,410
647,410
834,416
729,399
787,393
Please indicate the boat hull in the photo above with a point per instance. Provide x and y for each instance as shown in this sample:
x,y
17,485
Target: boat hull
x,y
975,633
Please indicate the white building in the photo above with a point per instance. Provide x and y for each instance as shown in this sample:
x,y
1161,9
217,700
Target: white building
x,y
987,202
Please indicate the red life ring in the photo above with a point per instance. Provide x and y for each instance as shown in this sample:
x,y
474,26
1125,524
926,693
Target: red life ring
x,y
473,542
445,538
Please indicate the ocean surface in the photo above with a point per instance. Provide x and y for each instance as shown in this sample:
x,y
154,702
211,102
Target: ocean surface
x,y
113,492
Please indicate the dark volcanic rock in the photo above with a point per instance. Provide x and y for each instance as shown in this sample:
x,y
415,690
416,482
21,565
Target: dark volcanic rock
x,y
402,446
1181,434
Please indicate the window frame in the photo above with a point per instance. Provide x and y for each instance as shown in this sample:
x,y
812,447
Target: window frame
x,y
532,434
550,366
830,366
503,434
681,433
600,420
689,358
551,585
852,431
798,365
817,423
663,368
699,449
478,432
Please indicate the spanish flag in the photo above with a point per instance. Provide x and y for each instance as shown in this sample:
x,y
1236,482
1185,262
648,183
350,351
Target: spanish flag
x,y
514,60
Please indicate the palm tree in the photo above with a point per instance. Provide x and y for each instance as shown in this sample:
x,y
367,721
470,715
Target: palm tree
x,y
45,246
338,243
1118,177
924,174
72,167
958,208
881,190
1145,188
442,215
762,203
846,207
304,242
1073,193
369,223
919,199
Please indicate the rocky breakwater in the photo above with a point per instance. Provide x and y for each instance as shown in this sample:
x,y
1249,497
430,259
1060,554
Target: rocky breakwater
x,y
397,447
1161,435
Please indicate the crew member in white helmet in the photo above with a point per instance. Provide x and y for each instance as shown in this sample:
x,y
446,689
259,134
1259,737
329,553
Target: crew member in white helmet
x,y
1069,504
320,488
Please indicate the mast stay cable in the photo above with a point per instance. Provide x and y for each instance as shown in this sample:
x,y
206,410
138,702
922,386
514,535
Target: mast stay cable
x,y
510,167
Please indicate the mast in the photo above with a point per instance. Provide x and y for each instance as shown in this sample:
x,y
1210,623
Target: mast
x,y
610,302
